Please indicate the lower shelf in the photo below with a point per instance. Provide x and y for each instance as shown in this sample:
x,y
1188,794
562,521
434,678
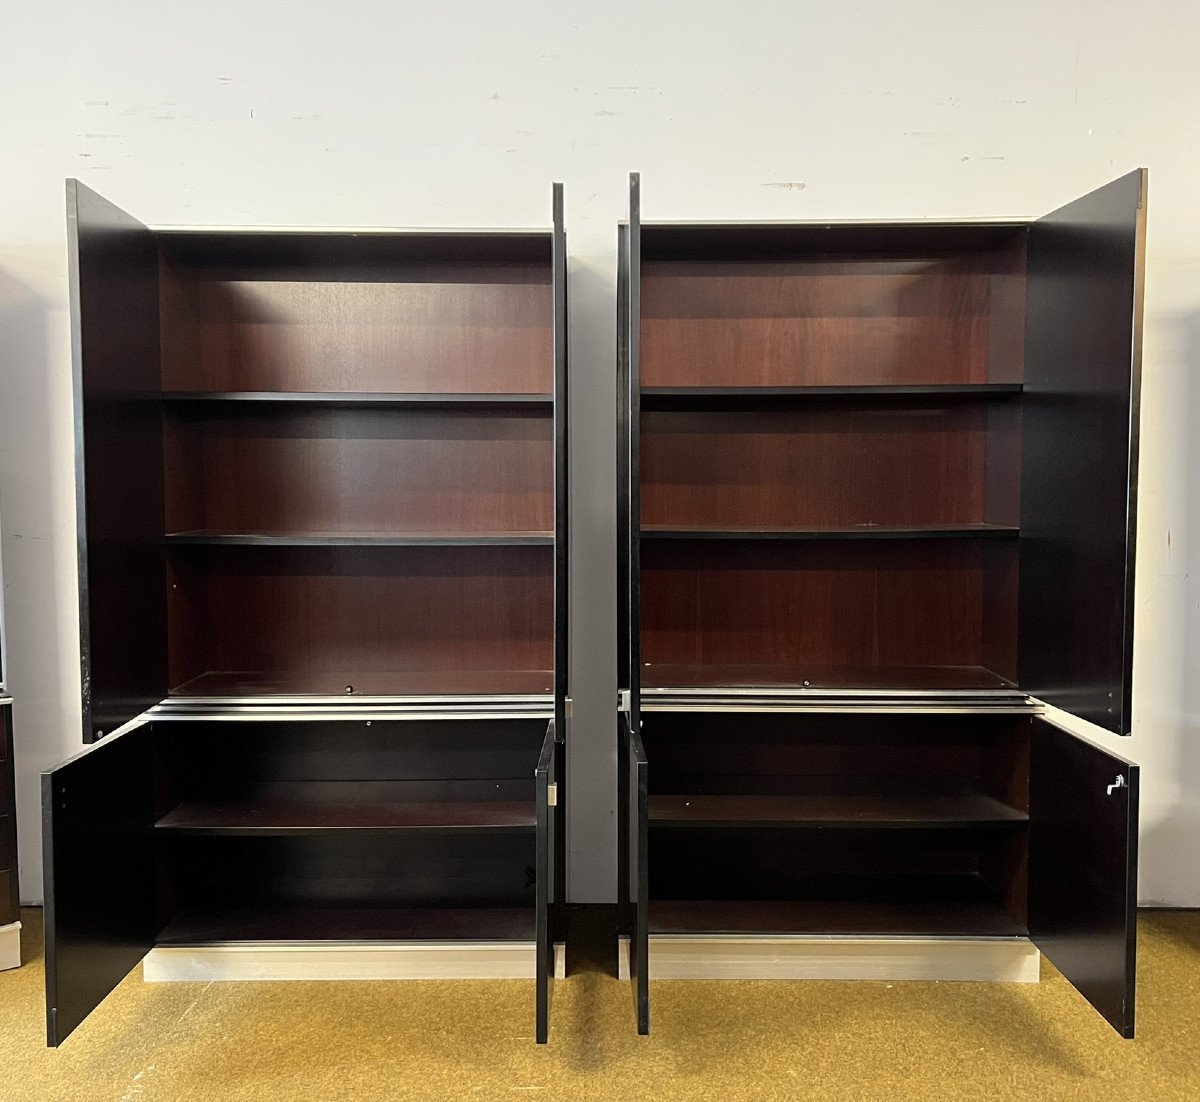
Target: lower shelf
x,y
322,924
268,816
939,918
378,943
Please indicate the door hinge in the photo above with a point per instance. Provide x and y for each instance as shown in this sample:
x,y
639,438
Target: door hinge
x,y
552,795
624,700
569,708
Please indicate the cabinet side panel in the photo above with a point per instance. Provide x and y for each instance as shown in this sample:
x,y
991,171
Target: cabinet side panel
x,y
1080,446
119,461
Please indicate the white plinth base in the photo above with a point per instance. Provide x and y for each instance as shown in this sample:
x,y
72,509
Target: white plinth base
x,y
10,946
805,957
408,960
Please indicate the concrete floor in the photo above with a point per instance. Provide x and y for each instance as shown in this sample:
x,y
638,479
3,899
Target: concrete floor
x,y
723,1041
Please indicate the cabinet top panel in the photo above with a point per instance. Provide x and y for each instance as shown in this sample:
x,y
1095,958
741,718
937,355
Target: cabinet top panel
x,y
777,240
289,248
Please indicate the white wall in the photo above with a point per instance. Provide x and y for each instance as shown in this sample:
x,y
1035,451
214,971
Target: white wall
x,y
459,113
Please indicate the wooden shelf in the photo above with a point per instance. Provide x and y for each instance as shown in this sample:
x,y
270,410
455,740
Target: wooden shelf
x,y
223,683
960,909
846,532
892,810
352,398
699,676
272,816
247,924
696,397
205,538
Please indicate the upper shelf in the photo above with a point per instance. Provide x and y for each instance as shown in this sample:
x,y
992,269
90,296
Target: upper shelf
x,y
370,683
803,676
686,397
352,399
844,532
209,538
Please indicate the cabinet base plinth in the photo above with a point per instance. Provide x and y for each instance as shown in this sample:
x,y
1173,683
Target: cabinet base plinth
x,y
815,957
477,960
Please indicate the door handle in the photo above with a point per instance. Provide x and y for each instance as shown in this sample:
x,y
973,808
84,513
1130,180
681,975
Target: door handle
x,y
1118,783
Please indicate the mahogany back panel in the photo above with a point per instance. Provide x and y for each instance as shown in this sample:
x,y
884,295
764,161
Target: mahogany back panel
x,y
827,464
359,470
809,605
296,611
421,328
826,321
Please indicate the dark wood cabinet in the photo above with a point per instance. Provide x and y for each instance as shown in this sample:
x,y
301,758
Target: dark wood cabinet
x,y
323,568
10,901
877,503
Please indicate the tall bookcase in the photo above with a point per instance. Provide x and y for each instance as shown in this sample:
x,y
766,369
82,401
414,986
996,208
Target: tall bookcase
x,y
877,505
323,568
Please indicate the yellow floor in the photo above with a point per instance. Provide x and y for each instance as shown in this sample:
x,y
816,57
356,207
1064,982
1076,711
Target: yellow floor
x,y
830,1041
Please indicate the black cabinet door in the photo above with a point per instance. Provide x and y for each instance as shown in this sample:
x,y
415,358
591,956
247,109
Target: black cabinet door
x,y
1079,468
99,875
113,261
562,556
1083,821
634,872
548,857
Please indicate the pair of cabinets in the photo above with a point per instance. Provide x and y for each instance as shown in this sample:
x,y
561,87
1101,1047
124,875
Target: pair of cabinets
x,y
875,496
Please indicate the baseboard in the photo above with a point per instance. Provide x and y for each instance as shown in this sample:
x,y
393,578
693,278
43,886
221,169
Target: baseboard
x,y
424,960
805,957
10,946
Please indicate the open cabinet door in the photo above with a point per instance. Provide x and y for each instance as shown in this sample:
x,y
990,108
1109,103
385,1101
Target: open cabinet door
x,y
636,893
99,874
1083,822
113,261
562,558
548,857
1079,467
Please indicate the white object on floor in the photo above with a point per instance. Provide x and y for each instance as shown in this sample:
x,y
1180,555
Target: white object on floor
x,y
10,945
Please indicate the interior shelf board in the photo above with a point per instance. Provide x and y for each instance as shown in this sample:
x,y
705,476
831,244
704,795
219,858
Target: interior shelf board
x,y
937,916
273,816
896,810
352,398
212,538
805,677
833,532
203,926
335,683
683,397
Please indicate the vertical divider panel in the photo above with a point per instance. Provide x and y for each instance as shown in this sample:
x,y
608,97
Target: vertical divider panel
x,y
562,549
633,359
